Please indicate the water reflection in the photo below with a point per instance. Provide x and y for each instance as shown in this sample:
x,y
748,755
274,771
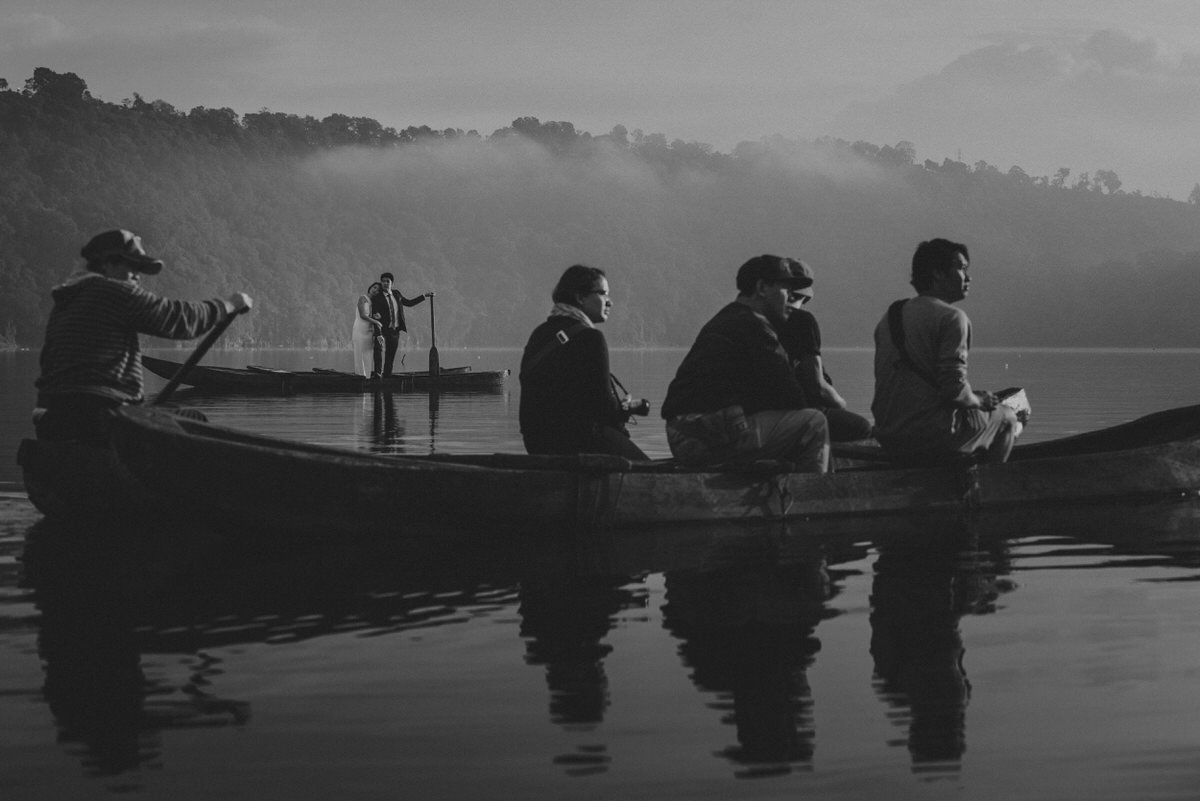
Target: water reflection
x,y
918,649
383,431
95,685
143,640
747,633
564,618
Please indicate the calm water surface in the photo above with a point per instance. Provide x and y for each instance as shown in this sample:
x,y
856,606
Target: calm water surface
x,y
1053,655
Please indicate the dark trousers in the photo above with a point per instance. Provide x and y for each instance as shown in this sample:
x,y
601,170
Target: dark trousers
x,y
601,439
386,354
87,418
846,426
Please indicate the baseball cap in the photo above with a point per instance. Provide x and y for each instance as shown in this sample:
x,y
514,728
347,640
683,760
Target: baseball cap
x,y
124,244
773,268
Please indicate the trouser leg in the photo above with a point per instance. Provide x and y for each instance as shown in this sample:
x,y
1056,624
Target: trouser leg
x,y
846,426
800,436
391,340
377,355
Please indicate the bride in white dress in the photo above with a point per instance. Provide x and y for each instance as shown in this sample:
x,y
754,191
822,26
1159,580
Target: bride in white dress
x,y
365,330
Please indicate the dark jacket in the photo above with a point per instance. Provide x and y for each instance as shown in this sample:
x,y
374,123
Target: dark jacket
x,y
379,306
566,392
736,360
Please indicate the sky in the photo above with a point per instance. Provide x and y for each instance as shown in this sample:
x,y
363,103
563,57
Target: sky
x,y
1041,84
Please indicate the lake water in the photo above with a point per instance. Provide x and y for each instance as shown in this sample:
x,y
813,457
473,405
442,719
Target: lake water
x,y
1053,655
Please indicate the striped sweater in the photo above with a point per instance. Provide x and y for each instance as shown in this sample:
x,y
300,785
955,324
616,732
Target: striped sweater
x,y
91,344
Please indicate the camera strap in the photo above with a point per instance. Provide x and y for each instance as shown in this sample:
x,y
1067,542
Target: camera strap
x,y
561,337
896,324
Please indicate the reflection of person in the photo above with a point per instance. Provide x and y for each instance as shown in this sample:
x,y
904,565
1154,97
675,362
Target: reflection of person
x,y
569,403
92,616
94,683
389,306
385,432
746,633
919,593
366,332
925,410
91,361
801,337
735,397
564,620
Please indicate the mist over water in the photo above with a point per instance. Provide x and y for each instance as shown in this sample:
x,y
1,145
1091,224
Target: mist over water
x,y
491,224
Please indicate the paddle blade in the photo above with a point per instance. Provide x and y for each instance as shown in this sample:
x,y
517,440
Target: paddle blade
x,y
434,367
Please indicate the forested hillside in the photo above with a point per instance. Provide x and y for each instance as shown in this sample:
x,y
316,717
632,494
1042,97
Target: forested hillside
x,y
304,213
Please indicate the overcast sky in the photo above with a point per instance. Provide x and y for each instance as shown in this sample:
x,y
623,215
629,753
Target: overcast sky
x,y
1043,84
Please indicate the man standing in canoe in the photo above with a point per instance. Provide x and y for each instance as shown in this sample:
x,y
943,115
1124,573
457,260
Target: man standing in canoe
x,y
389,305
91,362
735,398
925,410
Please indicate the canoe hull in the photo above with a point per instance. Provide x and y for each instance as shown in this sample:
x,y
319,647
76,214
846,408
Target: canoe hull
x,y
179,469
288,382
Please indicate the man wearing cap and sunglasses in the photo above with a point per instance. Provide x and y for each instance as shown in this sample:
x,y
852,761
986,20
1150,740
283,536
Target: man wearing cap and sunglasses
x,y
91,360
801,338
735,397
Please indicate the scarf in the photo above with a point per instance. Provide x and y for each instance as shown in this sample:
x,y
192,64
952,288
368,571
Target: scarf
x,y
574,312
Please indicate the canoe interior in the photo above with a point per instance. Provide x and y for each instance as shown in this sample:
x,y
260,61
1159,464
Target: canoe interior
x,y
258,378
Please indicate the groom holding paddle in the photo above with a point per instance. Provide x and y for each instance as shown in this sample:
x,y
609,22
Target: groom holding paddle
x,y
91,361
388,308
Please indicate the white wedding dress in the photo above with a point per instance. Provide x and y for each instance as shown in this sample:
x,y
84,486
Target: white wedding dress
x,y
363,338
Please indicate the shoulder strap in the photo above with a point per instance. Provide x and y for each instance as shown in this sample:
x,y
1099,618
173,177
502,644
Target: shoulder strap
x,y
896,325
561,337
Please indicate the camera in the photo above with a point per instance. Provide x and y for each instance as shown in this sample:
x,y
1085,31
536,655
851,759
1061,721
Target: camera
x,y
639,407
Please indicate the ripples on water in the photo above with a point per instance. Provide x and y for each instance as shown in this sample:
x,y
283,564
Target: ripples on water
x,y
1043,654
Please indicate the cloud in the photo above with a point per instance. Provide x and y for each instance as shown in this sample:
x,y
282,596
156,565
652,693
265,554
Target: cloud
x,y
212,62
1100,101
30,30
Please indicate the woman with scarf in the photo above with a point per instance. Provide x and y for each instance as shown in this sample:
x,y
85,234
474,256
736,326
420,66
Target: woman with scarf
x,y
569,401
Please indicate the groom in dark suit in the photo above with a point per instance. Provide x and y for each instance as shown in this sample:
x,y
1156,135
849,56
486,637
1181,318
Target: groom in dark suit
x,y
388,308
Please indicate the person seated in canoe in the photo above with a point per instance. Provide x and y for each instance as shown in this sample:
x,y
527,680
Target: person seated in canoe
x,y
925,409
569,400
389,305
801,338
735,397
367,334
91,360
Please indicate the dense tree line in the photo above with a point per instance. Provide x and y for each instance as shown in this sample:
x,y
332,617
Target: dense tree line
x,y
303,213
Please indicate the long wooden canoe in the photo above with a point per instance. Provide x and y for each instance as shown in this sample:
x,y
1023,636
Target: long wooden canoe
x,y
267,379
169,468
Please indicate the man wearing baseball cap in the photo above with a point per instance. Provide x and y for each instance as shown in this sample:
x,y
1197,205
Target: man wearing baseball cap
x,y
91,360
735,398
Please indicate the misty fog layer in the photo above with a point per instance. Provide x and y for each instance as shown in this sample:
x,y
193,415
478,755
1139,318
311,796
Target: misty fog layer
x,y
490,223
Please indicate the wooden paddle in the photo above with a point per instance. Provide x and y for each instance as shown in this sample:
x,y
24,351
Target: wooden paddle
x,y
196,356
435,369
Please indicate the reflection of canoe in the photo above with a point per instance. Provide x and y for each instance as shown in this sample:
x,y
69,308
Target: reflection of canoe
x,y
268,379
176,469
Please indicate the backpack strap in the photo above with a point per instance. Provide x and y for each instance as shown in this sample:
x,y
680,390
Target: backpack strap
x,y
561,337
896,326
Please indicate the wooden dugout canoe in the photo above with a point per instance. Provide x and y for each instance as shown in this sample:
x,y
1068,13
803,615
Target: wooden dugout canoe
x,y
286,382
167,468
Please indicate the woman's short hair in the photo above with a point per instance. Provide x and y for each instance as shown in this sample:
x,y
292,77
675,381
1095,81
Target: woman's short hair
x,y
934,256
579,279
